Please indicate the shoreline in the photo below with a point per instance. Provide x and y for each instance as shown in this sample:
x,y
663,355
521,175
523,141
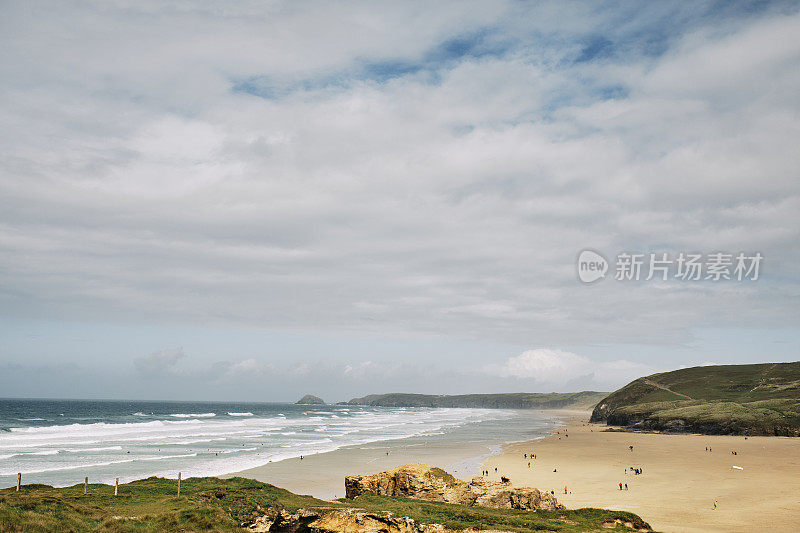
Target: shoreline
x,y
680,480
322,474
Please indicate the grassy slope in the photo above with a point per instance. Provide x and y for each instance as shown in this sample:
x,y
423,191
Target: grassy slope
x,y
212,504
521,400
756,399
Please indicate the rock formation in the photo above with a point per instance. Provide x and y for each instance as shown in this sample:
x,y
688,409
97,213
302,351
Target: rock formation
x,y
310,399
426,482
341,521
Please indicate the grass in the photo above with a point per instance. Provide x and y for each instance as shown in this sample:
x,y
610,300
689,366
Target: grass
x,y
738,399
460,517
217,505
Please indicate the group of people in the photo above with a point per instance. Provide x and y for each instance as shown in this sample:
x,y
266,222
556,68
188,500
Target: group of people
x,y
623,484
486,472
636,471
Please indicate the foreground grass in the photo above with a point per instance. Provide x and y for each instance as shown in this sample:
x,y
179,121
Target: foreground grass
x,y
222,505
460,517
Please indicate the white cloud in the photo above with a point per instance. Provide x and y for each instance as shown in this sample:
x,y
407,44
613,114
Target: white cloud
x,y
158,364
138,185
554,367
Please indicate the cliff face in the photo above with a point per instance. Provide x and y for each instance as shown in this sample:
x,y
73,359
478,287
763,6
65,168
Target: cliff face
x,y
425,482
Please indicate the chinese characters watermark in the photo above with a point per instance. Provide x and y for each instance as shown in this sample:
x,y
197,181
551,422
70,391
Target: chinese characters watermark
x,y
683,266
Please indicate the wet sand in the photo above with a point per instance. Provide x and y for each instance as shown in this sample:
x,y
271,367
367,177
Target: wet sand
x,y
460,453
680,479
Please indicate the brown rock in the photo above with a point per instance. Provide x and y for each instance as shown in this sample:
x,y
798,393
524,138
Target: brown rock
x,y
342,521
426,482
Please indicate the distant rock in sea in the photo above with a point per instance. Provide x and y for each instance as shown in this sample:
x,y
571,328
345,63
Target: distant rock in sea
x,y
310,399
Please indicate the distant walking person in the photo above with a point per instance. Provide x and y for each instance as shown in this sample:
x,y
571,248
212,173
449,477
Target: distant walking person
x,y
620,486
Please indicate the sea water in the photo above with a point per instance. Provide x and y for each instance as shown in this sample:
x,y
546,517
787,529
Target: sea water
x,y
58,442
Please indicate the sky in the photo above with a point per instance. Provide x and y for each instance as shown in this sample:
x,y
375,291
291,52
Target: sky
x,y
259,200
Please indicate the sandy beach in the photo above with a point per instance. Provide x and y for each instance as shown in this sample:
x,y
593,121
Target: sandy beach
x,y
680,480
676,491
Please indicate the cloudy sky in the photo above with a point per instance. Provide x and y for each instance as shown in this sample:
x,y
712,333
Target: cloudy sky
x,y
256,200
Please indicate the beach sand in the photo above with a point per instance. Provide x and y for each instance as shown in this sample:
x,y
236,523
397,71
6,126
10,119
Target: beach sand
x,y
680,480
322,475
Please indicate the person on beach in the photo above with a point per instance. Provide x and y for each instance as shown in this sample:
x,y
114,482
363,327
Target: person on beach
x,y
620,486
626,486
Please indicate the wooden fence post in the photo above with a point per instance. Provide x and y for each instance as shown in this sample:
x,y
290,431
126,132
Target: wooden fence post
x,y
179,483
85,484
116,486
19,480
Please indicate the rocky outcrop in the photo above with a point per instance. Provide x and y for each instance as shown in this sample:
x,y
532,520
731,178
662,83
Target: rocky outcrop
x,y
426,482
340,521
310,399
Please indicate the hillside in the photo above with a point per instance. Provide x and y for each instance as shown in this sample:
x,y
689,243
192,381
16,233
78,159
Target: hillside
x,y
521,400
236,504
761,399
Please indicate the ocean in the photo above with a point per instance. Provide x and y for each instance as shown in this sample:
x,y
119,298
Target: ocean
x,y
58,442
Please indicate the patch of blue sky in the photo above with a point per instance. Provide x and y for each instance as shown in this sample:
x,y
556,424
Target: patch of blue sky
x,y
426,69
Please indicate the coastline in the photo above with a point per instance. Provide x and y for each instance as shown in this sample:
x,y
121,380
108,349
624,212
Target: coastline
x,y
322,474
680,480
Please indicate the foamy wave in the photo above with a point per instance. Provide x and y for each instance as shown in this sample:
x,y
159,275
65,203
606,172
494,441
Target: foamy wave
x,y
43,452
98,449
219,445
93,465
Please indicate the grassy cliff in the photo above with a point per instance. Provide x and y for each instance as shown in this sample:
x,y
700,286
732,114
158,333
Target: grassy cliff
x,y
761,399
212,504
523,400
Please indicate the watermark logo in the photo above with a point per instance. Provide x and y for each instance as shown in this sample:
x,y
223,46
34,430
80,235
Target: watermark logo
x,y
684,266
591,266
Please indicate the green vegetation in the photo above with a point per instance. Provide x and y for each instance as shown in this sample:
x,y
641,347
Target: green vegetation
x,y
205,504
759,399
223,505
521,400
461,517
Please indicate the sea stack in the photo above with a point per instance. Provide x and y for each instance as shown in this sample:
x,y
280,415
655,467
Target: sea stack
x,y
310,399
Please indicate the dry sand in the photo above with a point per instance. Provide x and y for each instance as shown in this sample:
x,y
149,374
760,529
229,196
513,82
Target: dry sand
x,y
680,479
